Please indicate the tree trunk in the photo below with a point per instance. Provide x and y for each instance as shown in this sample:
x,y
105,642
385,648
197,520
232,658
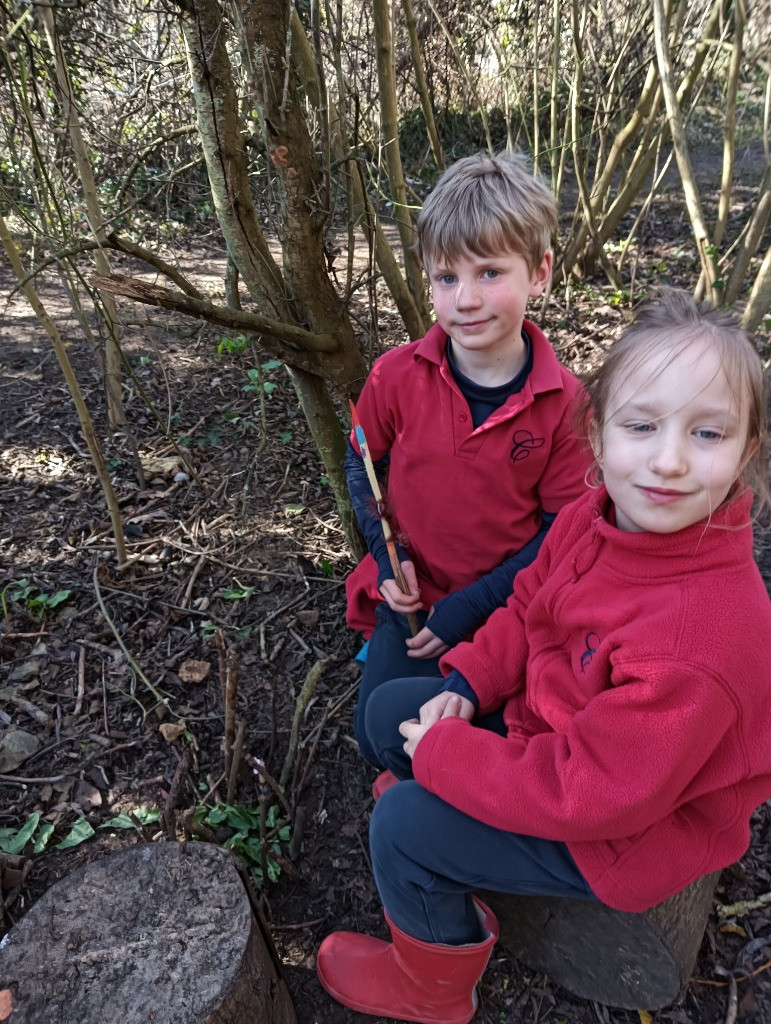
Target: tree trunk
x,y
381,13
362,210
162,932
637,961
682,154
759,301
301,293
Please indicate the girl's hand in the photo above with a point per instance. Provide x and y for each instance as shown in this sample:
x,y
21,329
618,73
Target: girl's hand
x,y
395,599
454,706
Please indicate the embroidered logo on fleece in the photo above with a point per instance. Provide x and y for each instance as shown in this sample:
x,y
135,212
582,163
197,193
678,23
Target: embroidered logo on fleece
x,y
524,443
592,642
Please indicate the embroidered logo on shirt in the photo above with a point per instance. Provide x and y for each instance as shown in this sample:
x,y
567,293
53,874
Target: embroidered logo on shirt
x,y
586,657
524,443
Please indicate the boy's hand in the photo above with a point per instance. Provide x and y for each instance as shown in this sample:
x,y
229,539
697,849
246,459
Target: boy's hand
x,y
425,644
395,599
413,730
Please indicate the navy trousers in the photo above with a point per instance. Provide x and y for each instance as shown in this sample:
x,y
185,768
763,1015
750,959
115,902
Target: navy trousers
x,y
428,856
387,659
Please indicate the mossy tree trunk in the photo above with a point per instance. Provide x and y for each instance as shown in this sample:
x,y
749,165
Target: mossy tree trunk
x,y
299,292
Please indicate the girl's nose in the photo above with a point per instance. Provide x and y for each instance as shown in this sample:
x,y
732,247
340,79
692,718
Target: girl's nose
x,y
669,456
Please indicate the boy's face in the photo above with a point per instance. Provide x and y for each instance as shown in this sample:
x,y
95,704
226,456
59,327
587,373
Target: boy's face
x,y
480,300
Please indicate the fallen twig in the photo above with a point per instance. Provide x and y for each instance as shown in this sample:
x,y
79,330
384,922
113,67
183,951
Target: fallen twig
x,y
81,682
116,634
41,717
744,907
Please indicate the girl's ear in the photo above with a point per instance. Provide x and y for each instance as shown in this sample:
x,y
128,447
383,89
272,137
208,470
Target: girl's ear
x,y
595,440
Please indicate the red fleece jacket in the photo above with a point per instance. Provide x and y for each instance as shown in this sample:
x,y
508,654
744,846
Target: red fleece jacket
x,y
634,671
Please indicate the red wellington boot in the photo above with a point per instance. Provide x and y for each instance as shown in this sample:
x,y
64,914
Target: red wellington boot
x,y
383,782
407,979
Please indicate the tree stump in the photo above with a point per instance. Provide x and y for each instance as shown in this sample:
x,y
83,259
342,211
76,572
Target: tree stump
x,y
163,932
634,961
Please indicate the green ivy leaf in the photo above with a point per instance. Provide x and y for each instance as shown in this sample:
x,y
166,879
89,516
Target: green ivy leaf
x,y
16,844
80,832
43,836
144,815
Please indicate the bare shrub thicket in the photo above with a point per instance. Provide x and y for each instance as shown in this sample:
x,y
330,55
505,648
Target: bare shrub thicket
x,y
134,126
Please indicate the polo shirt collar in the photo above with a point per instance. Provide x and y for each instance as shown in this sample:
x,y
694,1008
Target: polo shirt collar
x,y
545,375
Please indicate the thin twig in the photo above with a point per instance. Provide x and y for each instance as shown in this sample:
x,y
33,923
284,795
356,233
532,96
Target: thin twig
x,y
235,764
81,682
268,779
733,1001
172,800
311,679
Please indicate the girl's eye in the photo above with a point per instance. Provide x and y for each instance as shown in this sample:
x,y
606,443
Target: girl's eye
x,y
709,435
639,428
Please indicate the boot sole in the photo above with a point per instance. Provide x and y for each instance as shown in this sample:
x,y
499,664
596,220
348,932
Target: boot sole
x,y
352,1004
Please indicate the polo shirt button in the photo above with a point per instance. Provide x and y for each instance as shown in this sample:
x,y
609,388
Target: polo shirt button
x,y
462,417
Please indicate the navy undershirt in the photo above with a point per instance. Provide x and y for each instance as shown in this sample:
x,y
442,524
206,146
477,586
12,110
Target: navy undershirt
x,y
460,613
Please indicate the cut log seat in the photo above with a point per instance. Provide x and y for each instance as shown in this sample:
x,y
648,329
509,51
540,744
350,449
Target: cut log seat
x,y
634,961
163,932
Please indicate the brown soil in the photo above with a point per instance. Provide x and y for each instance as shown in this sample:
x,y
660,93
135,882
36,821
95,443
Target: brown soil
x,y
251,546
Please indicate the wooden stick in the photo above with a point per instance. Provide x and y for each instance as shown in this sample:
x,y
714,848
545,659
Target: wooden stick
x,y
374,483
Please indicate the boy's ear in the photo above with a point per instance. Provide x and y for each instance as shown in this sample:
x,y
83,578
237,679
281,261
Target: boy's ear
x,y
541,275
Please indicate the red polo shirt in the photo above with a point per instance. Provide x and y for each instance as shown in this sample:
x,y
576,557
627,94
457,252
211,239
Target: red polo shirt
x,y
463,500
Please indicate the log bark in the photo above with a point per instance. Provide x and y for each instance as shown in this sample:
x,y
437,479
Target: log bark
x,y
162,932
633,961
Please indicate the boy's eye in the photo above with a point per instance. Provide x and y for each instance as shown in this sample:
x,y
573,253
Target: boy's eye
x,y
491,274
445,278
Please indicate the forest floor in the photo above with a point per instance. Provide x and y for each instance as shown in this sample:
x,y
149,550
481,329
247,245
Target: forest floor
x,y
251,547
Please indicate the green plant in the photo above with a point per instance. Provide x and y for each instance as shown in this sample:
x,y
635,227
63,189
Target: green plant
x,y
245,839
32,598
257,384
238,593
234,346
13,841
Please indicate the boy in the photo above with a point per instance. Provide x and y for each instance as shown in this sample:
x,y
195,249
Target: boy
x,y
472,424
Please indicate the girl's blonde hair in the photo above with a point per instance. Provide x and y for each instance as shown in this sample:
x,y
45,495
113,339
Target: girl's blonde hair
x,y
668,325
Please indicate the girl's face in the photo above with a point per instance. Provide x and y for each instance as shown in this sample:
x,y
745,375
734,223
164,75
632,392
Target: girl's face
x,y
673,441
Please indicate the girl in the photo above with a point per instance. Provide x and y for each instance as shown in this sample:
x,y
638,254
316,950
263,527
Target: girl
x,y
631,667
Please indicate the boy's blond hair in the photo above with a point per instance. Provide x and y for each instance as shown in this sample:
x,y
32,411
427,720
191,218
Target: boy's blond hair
x,y
487,205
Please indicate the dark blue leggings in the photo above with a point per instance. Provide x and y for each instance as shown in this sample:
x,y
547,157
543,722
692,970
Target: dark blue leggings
x,y
428,856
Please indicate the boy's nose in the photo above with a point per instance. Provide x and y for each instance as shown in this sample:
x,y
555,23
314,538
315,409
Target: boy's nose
x,y
466,295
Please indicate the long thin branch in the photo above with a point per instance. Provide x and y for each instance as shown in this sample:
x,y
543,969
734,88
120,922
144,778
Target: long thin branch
x,y
225,316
